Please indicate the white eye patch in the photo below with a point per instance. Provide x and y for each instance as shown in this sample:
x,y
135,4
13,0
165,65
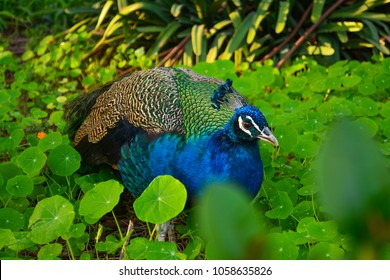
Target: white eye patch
x,y
242,126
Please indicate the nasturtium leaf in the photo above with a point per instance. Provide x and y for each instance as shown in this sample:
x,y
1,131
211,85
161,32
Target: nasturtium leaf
x,y
326,251
283,207
350,81
333,83
20,186
280,247
13,140
50,141
287,137
51,218
21,241
303,209
265,76
162,251
303,224
385,110
138,248
100,200
6,237
50,252
296,84
64,160
314,122
366,88
31,160
386,65
382,81
111,245
385,148
56,119
317,83
366,105
322,231
75,231
306,147
11,219
193,248
19,203
38,113
161,201
367,125
385,126
245,86
307,190
297,238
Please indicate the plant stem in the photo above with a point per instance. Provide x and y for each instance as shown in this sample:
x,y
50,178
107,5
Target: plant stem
x,y
70,249
117,225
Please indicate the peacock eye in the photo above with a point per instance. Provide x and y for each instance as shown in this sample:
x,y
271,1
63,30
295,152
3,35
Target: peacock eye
x,y
247,125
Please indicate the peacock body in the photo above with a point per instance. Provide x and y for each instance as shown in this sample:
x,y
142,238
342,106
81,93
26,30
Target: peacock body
x,y
171,121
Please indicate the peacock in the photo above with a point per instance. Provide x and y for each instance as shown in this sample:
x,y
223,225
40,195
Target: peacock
x,y
171,121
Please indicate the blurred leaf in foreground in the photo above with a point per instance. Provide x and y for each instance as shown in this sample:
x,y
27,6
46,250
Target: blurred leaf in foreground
x,y
355,187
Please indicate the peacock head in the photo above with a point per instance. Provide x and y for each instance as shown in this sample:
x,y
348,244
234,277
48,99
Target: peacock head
x,y
249,124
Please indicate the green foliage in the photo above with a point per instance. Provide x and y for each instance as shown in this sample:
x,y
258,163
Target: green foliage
x,y
52,207
188,32
163,200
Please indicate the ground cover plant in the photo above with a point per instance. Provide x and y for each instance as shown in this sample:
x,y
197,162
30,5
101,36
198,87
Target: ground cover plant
x,y
326,189
52,207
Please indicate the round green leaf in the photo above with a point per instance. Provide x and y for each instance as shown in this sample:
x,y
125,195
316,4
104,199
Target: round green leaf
x,y
6,237
100,200
162,251
161,201
367,88
138,248
351,81
11,219
306,147
307,190
322,231
385,110
367,125
51,218
64,160
385,126
280,247
50,141
314,122
296,84
31,160
326,251
382,81
386,65
20,186
367,106
283,207
287,137
50,252
265,76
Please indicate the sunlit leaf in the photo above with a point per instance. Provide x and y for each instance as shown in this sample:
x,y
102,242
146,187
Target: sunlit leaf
x,y
100,200
161,201
51,218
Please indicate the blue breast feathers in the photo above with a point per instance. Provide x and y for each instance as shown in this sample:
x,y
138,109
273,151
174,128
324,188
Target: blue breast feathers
x,y
196,162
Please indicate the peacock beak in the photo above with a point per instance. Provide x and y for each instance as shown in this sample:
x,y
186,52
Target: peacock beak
x,y
267,136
